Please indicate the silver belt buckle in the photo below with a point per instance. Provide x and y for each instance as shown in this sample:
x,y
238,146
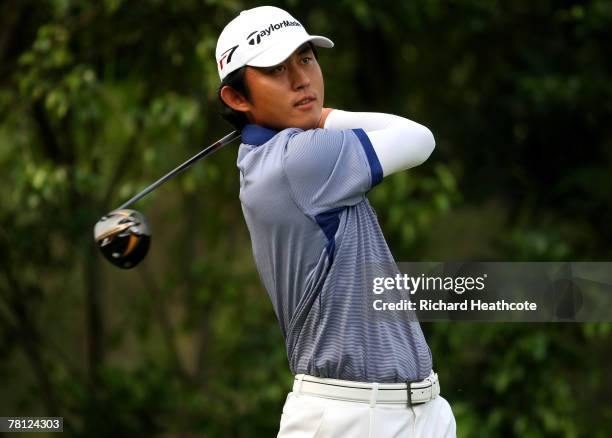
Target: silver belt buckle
x,y
409,391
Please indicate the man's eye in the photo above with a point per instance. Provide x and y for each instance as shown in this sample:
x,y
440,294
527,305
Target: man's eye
x,y
277,69
307,60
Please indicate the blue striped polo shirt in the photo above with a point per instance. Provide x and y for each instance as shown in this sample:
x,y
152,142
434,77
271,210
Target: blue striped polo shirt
x,y
317,245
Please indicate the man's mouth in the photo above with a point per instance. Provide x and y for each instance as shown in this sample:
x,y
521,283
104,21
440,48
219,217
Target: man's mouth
x,y
305,101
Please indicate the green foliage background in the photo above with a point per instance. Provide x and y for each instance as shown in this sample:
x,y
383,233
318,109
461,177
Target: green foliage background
x,y
100,98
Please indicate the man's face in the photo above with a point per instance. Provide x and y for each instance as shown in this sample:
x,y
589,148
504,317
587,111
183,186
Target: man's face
x,y
287,95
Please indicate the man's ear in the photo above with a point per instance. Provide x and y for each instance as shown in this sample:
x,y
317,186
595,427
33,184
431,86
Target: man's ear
x,y
234,99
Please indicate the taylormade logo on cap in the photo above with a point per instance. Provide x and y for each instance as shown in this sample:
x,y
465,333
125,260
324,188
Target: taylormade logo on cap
x,y
269,30
261,37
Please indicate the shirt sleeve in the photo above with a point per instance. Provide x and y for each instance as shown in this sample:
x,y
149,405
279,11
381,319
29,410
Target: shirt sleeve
x,y
399,143
329,169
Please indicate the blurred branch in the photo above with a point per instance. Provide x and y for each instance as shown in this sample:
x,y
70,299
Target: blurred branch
x,y
66,129
29,340
94,312
191,208
7,325
10,15
124,163
85,19
203,348
160,307
45,131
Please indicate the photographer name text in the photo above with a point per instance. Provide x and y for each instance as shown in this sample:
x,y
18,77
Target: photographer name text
x,y
406,284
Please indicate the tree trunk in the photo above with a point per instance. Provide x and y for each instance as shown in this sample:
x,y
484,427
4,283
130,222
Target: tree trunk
x,y
94,313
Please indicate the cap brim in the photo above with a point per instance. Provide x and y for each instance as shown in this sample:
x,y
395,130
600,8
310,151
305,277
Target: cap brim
x,y
281,51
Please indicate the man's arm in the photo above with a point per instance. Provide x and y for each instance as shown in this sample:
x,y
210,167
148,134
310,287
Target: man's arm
x,y
399,143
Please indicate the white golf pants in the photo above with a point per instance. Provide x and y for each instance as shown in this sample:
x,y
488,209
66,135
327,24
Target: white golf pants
x,y
307,416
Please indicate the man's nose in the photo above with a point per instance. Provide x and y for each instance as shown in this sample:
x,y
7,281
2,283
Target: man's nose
x,y
299,77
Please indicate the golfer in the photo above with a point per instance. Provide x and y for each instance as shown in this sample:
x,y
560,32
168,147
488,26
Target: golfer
x,y
305,171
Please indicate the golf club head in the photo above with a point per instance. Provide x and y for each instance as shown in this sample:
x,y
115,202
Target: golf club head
x,y
123,237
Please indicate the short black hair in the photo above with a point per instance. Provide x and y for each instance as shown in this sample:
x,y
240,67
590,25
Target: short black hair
x,y
235,79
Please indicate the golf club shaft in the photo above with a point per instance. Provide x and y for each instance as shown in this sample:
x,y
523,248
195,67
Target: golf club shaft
x,y
209,150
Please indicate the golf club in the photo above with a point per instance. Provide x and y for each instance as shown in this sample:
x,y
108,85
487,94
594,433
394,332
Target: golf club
x,y
123,235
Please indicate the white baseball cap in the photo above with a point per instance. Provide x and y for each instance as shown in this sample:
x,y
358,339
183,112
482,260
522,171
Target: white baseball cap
x,y
261,37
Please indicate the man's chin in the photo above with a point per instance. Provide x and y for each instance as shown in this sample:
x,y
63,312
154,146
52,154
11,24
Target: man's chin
x,y
304,123
310,123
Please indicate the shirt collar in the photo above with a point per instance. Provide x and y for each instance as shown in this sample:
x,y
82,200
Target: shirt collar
x,y
257,135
